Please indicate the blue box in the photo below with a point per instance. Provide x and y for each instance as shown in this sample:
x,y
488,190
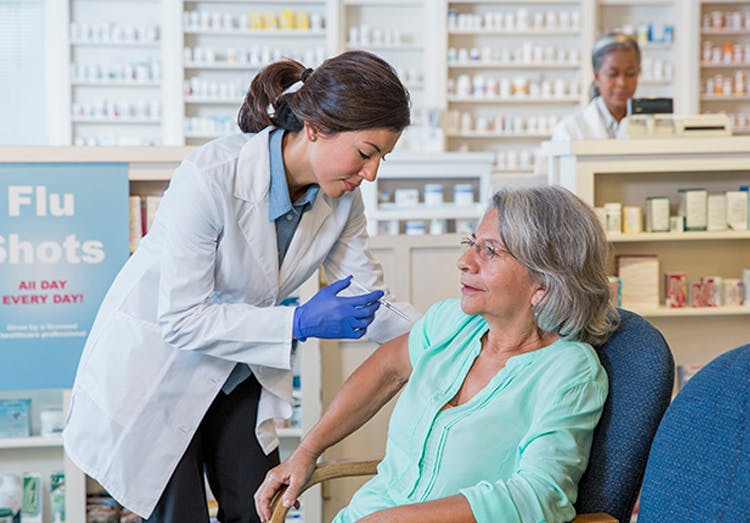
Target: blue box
x,y
15,416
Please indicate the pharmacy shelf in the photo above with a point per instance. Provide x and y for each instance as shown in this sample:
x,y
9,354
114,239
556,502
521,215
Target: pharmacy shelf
x,y
494,135
725,98
214,100
511,65
140,121
634,3
512,100
501,2
681,312
651,81
394,3
515,32
88,43
113,83
385,47
204,136
291,2
222,65
678,236
423,212
281,33
653,46
724,32
732,65
31,442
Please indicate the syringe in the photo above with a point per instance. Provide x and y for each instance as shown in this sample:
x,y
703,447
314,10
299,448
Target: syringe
x,y
385,303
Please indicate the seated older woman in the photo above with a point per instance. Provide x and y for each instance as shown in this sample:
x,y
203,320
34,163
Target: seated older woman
x,y
503,388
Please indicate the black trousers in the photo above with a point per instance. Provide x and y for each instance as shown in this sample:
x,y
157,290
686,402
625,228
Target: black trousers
x,y
226,449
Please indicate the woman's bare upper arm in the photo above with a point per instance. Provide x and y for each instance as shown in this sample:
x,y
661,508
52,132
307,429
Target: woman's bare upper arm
x,y
392,357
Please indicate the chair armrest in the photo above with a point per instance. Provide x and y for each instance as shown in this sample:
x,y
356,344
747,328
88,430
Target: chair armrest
x,y
352,468
324,472
596,517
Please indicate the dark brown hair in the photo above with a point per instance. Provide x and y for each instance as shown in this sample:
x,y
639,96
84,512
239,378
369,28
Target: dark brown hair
x,y
353,91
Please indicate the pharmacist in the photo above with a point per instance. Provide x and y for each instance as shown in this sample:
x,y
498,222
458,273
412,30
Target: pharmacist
x,y
188,361
616,60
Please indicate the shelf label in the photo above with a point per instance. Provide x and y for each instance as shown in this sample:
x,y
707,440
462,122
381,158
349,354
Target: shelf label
x,y
63,238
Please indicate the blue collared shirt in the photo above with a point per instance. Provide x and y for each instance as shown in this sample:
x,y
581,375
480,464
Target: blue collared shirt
x,y
285,215
281,210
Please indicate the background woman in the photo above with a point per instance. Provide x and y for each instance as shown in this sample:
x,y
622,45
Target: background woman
x,y
616,60
503,388
188,361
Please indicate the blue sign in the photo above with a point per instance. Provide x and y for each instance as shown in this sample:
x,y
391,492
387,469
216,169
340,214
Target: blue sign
x,y
63,238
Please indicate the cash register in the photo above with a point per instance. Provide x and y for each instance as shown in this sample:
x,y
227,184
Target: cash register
x,y
653,118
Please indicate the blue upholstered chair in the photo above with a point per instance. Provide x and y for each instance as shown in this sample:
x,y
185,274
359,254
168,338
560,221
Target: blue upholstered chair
x,y
699,466
640,368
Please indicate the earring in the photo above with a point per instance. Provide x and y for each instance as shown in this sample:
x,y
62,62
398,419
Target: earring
x,y
313,137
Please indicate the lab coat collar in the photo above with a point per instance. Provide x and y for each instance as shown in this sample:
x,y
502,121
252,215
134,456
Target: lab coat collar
x,y
610,123
253,176
252,184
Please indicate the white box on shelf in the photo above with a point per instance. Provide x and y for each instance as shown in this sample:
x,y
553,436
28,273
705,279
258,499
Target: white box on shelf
x,y
737,207
406,197
657,214
716,213
15,415
640,280
693,207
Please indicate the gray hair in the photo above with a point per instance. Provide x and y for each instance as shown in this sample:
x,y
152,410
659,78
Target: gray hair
x,y
606,44
560,241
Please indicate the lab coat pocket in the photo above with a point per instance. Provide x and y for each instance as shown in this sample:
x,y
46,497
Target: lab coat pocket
x,y
125,365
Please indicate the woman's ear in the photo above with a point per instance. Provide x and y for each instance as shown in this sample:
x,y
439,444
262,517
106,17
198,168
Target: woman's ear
x,y
538,296
311,132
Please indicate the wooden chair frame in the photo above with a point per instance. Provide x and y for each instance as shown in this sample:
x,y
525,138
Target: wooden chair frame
x,y
352,468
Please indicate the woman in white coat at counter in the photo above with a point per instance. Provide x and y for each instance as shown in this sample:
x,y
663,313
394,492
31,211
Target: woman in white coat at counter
x,y
616,60
188,361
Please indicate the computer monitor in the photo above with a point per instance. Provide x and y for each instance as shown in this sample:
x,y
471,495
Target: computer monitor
x,y
651,105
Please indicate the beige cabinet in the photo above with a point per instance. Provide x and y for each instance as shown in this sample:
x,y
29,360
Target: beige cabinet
x,y
628,171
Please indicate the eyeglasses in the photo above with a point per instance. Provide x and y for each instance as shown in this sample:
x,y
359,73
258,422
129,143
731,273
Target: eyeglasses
x,y
485,251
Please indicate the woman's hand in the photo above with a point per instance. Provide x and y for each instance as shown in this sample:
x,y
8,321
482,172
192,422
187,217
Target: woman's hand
x,y
293,472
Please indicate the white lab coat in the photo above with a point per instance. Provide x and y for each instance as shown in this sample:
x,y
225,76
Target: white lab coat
x,y
200,294
593,122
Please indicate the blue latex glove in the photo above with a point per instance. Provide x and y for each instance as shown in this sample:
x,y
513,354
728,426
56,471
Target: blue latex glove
x,y
327,315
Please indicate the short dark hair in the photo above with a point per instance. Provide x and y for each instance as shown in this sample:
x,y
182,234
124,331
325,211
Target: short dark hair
x,y
353,91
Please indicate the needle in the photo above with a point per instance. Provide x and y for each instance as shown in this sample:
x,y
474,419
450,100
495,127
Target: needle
x,y
385,303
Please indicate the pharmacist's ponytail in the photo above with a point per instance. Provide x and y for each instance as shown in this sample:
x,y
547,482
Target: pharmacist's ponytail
x,y
606,44
353,91
265,93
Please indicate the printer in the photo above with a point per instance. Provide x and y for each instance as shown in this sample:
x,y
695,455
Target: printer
x,y
653,118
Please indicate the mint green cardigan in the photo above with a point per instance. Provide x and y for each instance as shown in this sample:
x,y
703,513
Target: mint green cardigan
x,y
516,450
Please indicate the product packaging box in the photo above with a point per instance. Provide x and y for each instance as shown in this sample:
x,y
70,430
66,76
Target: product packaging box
x,y
675,289
15,418
615,294
716,212
737,210
57,497
639,275
657,214
694,208
613,217
632,219
31,506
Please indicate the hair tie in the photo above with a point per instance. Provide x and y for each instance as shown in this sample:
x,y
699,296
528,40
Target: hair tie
x,y
305,74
